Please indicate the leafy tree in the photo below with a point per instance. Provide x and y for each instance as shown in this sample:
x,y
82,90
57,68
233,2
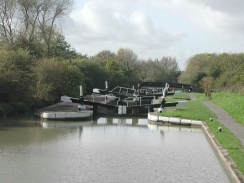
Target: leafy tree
x,y
126,59
54,79
94,74
128,62
142,73
207,84
196,69
71,79
61,49
226,69
164,70
16,75
115,74
104,55
170,69
153,71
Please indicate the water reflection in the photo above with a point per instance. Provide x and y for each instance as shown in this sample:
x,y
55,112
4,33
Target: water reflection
x,y
107,150
174,128
102,121
62,124
98,122
121,121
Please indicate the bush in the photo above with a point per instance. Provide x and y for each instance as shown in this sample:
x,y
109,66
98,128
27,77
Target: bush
x,y
5,109
20,107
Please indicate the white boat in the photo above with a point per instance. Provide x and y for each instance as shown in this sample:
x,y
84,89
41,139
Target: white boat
x,y
70,115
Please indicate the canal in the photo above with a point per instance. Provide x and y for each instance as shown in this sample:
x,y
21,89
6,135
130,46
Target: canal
x,y
106,150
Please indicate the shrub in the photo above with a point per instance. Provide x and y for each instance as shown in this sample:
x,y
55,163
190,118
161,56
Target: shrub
x,y
5,109
20,107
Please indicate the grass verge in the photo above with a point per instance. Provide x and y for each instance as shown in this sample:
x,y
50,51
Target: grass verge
x,y
232,103
196,110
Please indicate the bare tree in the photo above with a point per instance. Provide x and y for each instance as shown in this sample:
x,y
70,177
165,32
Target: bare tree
x,y
51,10
29,11
169,63
8,24
27,20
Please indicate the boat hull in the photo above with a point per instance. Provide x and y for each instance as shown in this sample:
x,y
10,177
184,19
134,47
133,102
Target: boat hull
x,y
86,114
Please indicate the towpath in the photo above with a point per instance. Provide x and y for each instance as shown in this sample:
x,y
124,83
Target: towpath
x,y
223,117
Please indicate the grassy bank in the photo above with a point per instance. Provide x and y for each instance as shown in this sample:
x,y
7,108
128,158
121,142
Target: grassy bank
x,y
196,110
232,103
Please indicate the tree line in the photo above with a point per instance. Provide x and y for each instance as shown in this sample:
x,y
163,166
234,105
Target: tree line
x,y
215,71
37,64
26,81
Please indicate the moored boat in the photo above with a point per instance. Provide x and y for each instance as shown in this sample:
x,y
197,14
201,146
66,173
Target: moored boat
x,y
53,115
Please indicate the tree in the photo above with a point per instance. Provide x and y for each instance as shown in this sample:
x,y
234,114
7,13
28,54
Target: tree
x,y
25,23
153,71
7,23
196,69
105,55
226,69
142,74
50,10
113,71
16,75
164,70
55,78
61,49
128,62
94,74
70,80
207,84
170,69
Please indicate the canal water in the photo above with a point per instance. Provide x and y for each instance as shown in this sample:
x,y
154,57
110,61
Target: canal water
x,y
106,150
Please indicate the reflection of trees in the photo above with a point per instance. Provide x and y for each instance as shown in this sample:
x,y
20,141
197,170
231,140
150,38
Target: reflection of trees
x,y
31,135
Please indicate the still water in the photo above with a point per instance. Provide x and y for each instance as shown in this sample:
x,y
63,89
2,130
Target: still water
x,y
107,150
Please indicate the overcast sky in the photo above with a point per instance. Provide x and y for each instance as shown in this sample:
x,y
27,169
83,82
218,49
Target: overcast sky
x,y
156,28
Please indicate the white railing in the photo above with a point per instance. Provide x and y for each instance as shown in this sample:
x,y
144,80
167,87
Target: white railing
x,y
124,90
137,101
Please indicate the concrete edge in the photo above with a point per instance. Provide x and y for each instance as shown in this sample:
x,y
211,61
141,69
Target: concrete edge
x,y
173,120
229,165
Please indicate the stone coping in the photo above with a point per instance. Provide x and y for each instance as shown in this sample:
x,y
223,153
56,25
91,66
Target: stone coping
x,y
231,168
173,120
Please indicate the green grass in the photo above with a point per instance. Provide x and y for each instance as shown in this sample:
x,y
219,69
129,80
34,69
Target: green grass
x,y
198,111
231,103
182,96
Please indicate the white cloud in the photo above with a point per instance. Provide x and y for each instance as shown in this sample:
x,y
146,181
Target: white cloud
x,y
142,23
233,7
222,18
116,24
156,28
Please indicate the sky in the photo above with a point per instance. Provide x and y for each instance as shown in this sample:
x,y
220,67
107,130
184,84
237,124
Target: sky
x,y
156,28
